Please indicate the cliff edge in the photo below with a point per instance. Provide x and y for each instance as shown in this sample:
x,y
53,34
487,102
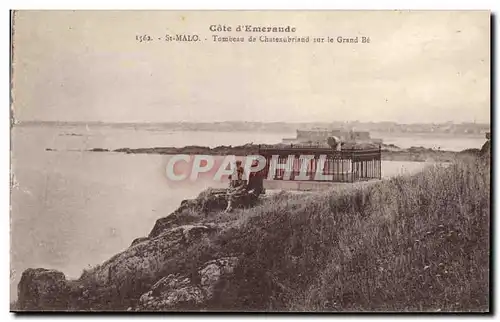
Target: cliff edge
x,y
418,243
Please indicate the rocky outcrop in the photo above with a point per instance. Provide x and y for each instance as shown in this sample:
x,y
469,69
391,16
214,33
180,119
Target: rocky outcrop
x,y
209,200
390,152
247,149
122,275
170,292
147,258
176,291
212,272
138,240
42,289
140,274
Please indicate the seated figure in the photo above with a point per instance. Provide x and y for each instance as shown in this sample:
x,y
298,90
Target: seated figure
x,y
237,186
240,191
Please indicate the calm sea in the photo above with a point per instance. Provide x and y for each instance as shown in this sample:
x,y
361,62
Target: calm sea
x,y
73,209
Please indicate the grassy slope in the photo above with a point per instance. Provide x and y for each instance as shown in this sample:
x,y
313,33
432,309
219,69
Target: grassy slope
x,y
410,243
406,244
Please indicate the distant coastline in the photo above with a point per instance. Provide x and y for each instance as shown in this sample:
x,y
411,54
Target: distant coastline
x,y
389,152
462,129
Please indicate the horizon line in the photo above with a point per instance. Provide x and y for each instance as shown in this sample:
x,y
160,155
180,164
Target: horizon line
x,y
258,122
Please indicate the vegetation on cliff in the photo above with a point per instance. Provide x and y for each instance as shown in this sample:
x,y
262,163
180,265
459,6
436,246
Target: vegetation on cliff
x,y
418,243
408,244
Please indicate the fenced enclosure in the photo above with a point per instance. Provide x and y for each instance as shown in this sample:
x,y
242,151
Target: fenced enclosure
x,y
308,162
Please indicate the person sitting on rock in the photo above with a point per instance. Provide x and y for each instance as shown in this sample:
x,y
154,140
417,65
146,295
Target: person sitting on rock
x,y
237,186
236,178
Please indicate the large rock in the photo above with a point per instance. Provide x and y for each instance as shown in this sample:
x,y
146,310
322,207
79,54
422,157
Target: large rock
x,y
138,240
172,291
212,272
42,289
210,200
125,275
146,258
178,292
207,201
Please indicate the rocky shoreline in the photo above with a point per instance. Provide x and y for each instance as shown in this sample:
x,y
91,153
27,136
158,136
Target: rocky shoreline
x,y
148,276
390,152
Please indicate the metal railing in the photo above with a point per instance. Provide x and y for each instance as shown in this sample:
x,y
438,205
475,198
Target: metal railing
x,y
346,165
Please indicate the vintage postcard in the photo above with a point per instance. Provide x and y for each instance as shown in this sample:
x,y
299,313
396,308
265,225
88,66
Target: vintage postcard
x,y
250,161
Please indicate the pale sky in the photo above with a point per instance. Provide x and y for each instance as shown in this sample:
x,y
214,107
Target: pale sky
x,y
87,66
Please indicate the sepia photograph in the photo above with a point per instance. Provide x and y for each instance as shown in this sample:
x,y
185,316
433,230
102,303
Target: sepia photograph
x,y
250,161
